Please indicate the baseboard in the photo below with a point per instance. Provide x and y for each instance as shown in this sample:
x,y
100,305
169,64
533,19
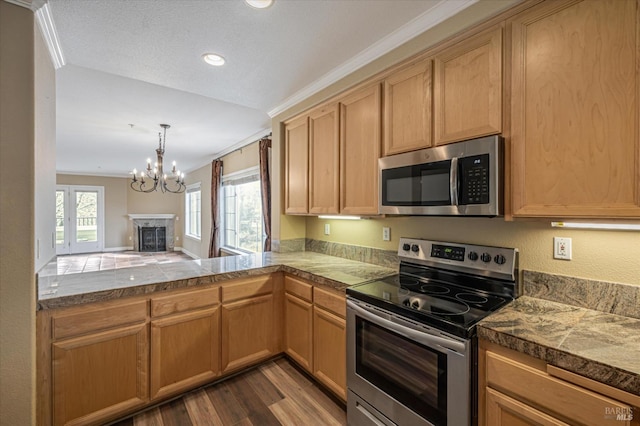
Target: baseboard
x,y
187,252
117,249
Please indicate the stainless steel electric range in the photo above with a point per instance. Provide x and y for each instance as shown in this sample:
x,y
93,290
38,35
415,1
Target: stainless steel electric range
x,y
411,342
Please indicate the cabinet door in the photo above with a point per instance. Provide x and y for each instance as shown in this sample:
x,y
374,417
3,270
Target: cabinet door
x,y
468,88
185,351
324,160
330,351
296,166
505,411
575,110
299,330
359,151
407,108
247,332
100,375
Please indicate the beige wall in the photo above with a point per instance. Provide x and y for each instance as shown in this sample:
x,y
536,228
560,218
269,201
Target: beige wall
x,y
244,158
45,154
602,255
17,229
199,248
116,223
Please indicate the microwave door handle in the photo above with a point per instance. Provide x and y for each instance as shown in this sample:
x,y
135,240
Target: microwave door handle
x,y
453,181
418,336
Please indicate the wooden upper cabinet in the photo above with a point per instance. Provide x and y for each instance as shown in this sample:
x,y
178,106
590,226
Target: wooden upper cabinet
x,y
359,151
575,95
297,166
324,160
468,88
407,108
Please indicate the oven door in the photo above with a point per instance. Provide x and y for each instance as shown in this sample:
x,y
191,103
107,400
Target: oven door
x,y
410,373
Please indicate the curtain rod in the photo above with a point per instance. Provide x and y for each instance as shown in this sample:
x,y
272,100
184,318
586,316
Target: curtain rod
x,y
218,156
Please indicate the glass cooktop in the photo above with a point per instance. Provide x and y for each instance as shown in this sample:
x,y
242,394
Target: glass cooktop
x,y
452,308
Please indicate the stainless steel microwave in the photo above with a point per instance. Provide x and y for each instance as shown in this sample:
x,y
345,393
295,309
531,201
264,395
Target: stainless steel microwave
x,y
459,179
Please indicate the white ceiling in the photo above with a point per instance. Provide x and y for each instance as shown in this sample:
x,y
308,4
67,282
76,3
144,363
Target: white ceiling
x,y
139,62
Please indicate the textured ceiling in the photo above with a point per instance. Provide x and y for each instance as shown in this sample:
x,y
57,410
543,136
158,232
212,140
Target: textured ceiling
x,y
139,62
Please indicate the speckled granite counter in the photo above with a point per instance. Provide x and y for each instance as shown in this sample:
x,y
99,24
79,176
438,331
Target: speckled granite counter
x,y
75,289
598,345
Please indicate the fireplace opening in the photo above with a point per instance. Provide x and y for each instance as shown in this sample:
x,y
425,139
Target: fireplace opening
x,y
152,238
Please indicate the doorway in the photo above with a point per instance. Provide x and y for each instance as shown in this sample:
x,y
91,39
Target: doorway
x,y
79,219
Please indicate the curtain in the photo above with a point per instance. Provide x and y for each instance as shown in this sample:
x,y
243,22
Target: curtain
x,y
265,186
216,180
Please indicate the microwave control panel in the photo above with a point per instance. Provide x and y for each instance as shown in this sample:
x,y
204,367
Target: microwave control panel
x,y
474,176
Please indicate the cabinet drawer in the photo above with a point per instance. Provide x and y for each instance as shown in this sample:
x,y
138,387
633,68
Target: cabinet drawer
x,y
250,287
298,287
184,301
85,320
330,300
552,395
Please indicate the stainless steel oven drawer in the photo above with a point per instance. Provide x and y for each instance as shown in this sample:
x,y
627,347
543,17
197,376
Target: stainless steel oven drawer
x,y
359,413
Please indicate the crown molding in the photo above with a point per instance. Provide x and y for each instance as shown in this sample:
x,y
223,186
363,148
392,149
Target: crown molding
x,y
50,35
32,5
427,20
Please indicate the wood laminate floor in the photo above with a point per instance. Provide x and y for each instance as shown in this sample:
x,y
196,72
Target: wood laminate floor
x,y
275,393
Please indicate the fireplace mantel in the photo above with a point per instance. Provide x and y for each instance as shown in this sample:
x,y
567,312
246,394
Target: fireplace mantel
x,y
150,216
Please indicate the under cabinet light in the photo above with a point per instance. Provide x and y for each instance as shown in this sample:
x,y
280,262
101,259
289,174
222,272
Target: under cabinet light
x,y
589,225
259,4
341,217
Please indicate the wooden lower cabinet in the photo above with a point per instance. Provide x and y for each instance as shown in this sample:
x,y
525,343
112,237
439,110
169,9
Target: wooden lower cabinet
x,y
247,332
330,351
298,333
505,411
516,389
184,351
99,375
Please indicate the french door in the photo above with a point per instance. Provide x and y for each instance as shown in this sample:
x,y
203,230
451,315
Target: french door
x,y
79,219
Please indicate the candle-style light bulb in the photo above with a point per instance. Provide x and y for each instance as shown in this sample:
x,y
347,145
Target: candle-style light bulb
x,y
174,167
148,163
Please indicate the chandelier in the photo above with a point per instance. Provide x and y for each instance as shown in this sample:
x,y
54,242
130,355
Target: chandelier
x,y
150,179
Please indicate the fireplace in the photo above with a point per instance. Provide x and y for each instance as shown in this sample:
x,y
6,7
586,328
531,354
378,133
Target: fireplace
x,y
152,238
156,240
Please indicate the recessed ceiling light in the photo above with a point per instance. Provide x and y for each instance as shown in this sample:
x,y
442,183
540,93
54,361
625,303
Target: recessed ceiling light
x,y
213,59
259,4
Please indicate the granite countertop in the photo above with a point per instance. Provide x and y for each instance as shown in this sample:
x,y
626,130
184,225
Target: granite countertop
x,y
598,345
57,291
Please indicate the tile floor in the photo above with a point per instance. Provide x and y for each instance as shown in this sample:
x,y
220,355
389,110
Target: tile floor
x,y
90,262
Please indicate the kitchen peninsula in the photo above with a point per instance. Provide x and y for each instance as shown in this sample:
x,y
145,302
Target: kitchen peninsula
x,y
113,342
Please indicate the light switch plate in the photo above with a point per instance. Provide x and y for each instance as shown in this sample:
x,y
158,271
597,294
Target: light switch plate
x,y
327,229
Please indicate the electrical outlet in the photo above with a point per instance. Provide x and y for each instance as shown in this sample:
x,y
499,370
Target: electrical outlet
x,y
386,233
562,248
327,229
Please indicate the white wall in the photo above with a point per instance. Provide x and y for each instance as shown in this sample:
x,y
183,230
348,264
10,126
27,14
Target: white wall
x,y
45,154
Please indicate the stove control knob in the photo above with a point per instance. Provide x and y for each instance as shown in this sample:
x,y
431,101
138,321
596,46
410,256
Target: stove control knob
x,y
473,256
486,257
406,247
415,248
499,259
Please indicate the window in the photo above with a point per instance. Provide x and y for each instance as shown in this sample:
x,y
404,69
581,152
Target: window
x,y
242,211
192,214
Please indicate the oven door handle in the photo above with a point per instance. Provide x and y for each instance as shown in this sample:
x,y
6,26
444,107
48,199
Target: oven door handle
x,y
418,336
